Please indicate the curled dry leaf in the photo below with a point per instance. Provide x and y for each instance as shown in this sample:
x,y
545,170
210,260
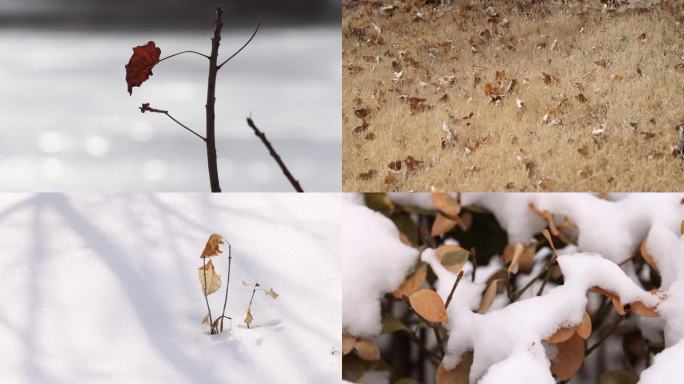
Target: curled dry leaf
x,y
361,113
367,350
584,329
446,203
412,283
524,259
139,67
213,280
561,335
452,257
274,295
569,358
490,294
348,343
647,256
392,324
212,248
249,317
428,305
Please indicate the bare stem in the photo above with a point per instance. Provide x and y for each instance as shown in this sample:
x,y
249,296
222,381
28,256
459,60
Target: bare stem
x,y
453,289
243,46
211,102
204,291
180,53
225,300
146,108
274,154
607,334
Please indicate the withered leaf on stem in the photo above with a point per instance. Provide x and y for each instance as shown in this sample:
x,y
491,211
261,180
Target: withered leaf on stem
x,y
139,67
442,225
458,375
213,280
212,248
249,317
367,350
429,305
412,283
569,358
446,203
348,343
452,257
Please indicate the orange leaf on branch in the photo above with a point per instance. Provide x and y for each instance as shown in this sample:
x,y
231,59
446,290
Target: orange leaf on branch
x,y
139,67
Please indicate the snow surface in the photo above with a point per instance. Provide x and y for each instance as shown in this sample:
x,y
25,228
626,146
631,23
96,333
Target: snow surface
x,y
375,262
104,288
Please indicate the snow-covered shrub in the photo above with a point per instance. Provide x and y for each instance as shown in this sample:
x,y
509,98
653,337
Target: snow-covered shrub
x,y
508,288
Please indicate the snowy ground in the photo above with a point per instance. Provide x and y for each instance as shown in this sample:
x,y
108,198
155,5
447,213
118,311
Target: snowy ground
x,y
104,289
67,122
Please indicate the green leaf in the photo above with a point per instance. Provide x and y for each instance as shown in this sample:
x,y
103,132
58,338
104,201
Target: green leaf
x,y
392,324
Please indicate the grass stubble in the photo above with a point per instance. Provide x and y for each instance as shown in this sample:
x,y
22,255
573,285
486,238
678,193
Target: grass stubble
x,y
602,93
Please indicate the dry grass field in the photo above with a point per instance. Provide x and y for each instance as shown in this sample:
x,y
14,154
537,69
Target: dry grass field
x,y
512,96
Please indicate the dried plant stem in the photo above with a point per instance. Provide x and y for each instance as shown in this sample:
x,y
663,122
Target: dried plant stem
x,y
147,108
225,300
243,46
249,307
607,334
206,298
453,289
274,154
211,102
180,53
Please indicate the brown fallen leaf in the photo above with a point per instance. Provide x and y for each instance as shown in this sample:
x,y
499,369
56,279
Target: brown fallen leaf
x,y
365,176
395,165
273,294
428,305
361,113
249,317
642,36
581,98
361,128
370,136
601,63
390,179
412,164
458,375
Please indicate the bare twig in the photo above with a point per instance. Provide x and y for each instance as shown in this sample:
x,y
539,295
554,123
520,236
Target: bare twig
x,y
607,334
249,307
474,261
146,108
276,157
243,46
180,53
225,300
453,289
211,101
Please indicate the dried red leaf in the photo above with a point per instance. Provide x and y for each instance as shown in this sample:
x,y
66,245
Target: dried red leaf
x,y
368,175
139,67
411,163
395,166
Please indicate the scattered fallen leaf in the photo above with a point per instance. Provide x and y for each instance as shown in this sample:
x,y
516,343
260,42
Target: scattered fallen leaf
x,y
395,166
412,164
601,63
361,113
390,179
429,305
272,293
370,136
581,98
365,176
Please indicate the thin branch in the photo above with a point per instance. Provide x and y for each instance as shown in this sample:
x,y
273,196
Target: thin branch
x,y
438,336
274,154
609,332
474,261
146,108
206,298
180,53
453,289
243,47
225,300
249,307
